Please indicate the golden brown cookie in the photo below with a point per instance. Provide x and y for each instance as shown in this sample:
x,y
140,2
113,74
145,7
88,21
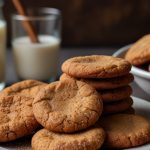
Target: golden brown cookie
x,y
16,117
67,106
108,83
117,107
96,66
28,88
91,139
125,131
116,94
139,52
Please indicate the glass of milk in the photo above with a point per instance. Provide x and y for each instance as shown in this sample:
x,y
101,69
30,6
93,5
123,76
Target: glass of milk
x,y
37,61
2,47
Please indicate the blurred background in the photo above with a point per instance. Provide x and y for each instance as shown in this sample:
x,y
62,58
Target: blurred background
x,y
95,22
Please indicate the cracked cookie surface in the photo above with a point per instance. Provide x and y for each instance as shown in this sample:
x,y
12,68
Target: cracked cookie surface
x,y
16,117
125,131
27,88
91,139
96,66
67,106
108,83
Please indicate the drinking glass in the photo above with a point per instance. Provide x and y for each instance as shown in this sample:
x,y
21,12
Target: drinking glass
x,y
37,61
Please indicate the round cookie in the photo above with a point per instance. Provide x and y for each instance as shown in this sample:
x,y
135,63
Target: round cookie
x,y
67,106
116,94
108,83
139,52
125,131
96,66
91,139
117,107
28,88
16,117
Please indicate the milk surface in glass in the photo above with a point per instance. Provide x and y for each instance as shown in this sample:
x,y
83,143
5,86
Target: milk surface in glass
x,y
36,60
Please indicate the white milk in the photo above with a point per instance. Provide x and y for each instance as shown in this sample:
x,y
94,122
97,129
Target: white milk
x,y
2,50
36,60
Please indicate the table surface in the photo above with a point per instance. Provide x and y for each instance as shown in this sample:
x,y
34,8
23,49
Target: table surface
x,y
11,77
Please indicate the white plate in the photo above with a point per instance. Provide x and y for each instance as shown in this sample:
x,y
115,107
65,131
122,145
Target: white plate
x,y
142,107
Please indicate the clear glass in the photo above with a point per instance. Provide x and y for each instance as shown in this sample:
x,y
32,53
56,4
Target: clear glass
x,y
2,48
37,61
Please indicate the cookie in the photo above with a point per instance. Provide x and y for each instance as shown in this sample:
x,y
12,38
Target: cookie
x,y
139,52
125,131
129,111
96,66
16,117
67,106
108,83
116,107
116,94
28,88
91,139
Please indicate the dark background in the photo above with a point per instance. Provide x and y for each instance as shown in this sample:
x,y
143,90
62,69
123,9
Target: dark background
x,y
95,22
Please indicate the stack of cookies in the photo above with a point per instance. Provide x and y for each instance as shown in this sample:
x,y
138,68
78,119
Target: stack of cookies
x,y
70,111
108,75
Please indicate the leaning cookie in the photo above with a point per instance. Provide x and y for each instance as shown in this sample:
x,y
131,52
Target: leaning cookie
x,y
96,66
16,117
27,88
90,139
108,83
67,106
125,131
139,52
